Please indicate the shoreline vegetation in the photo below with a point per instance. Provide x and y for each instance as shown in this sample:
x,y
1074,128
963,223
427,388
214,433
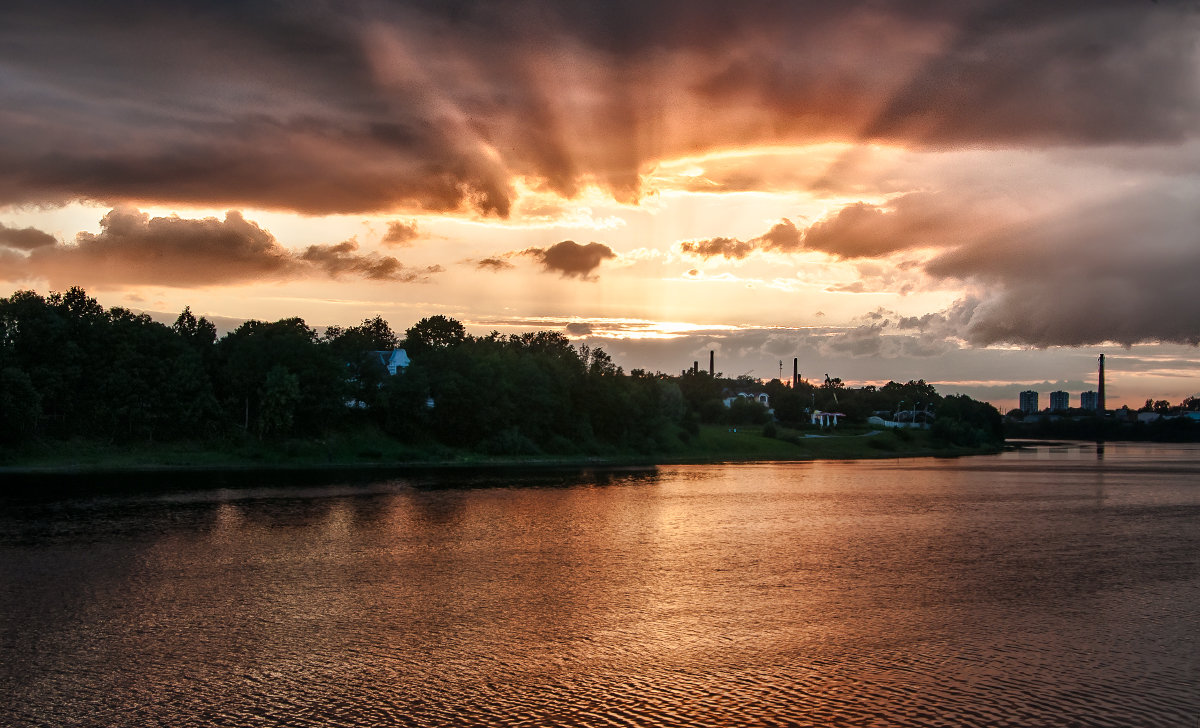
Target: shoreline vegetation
x,y
376,452
85,389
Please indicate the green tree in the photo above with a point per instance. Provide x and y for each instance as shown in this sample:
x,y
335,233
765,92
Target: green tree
x,y
746,411
249,353
280,396
702,393
433,332
20,406
964,421
199,333
373,334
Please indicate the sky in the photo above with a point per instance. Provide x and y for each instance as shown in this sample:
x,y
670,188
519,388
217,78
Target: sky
x,y
985,195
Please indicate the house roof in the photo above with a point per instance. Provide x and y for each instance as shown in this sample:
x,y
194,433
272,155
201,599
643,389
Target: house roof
x,y
395,358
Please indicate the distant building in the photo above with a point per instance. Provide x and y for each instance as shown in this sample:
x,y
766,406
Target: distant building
x,y
1029,401
1089,401
1060,401
762,398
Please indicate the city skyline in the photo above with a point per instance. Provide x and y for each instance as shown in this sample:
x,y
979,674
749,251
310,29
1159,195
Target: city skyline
x,y
984,197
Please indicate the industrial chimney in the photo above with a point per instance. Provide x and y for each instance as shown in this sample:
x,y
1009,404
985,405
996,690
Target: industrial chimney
x,y
712,372
1100,395
795,372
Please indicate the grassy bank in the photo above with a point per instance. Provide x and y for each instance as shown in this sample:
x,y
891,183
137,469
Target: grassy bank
x,y
370,449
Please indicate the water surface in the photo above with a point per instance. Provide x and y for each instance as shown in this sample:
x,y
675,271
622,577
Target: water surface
x,y
1054,586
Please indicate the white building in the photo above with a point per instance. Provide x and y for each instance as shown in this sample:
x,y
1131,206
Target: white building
x,y
1029,402
394,360
825,419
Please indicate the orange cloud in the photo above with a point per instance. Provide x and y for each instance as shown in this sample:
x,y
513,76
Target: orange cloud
x,y
134,248
400,233
782,237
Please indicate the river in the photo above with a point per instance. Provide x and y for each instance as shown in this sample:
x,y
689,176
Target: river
x,y
1054,586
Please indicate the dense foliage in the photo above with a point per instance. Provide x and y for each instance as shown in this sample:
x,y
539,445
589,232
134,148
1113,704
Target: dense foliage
x,y
71,369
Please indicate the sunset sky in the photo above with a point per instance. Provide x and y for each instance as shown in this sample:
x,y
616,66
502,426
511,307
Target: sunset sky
x,y
983,194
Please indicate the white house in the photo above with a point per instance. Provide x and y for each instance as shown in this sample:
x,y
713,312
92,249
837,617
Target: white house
x,y
393,361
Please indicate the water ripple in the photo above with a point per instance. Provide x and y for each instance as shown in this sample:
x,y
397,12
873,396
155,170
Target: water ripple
x,y
781,595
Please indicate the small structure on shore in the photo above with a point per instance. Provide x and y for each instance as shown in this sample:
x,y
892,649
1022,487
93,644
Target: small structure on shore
x,y
825,419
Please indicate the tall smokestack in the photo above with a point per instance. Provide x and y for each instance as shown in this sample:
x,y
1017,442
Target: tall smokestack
x,y
795,372
712,371
695,367
1100,394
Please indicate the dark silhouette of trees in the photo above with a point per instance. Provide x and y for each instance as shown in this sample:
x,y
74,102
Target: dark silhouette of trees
x,y
967,422
20,406
69,368
281,378
113,375
434,332
357,348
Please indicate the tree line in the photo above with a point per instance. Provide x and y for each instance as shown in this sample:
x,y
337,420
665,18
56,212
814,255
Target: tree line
x,y
69,368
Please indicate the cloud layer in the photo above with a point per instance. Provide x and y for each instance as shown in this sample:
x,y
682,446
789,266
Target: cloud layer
x,y
368,107
27,238
134,248
1122,272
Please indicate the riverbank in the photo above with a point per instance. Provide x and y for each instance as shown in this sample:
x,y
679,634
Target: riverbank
x,y
371,451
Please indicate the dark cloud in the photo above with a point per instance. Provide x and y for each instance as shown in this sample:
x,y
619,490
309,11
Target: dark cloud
x,y
576,328
864,340
344,257
783,237
1123,271
493,264
365,106
1049,73
134,248
401,233
731,248
571,259
24,238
